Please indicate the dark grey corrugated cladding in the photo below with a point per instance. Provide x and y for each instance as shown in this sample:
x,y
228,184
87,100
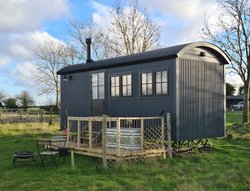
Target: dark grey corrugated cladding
x,y
154,55
196,89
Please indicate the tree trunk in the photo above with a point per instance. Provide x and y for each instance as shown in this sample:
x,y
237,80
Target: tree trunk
x,y
246,91
246,103
57,96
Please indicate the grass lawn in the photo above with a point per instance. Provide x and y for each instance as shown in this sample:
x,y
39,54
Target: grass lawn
x,y
226,168
233,117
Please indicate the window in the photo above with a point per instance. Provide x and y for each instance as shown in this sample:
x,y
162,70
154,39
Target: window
x,y
115,86
146,83
161,82
127,85
97,85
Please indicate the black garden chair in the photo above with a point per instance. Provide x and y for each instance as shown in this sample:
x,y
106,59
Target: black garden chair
x,y
46,152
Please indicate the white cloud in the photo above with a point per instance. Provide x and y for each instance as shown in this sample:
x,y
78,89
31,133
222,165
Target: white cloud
x,y
184,18
234,79
4,61
19,47
26,15
188,10
21,22
181,20
101,15
25,73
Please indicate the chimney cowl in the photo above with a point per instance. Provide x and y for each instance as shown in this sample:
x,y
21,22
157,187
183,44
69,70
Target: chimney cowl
x,y
88,42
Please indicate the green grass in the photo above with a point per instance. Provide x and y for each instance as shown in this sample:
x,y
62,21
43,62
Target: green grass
x,y
233,117
226,168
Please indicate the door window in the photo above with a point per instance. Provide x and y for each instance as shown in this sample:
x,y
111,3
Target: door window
x,y
98,85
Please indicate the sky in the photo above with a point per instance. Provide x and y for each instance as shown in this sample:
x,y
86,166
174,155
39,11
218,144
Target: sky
x,y
24,24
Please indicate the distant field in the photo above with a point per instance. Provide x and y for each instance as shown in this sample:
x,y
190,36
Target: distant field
x,y
226,168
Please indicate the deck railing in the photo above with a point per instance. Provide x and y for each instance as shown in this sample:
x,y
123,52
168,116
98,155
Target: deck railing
x,y
117,138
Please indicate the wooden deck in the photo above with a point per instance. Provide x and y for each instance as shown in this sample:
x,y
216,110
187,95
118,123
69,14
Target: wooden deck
x,y
116,138
125,154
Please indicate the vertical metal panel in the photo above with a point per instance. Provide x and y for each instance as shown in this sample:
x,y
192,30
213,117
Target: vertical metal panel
x,y
200,100
75,97
138,105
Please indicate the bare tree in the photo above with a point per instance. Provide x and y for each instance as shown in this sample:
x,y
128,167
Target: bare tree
x,y
232,34
78,32
25,99
131,30
49,58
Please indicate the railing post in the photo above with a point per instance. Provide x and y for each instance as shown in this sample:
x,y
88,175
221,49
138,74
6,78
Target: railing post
x,y
142,133
90,133
42,116
104,140
68,130
163,136
168,122
21,113
118,139
78,133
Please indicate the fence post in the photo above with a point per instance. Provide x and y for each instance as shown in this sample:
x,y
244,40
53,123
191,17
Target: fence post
x,y
142,133
72,160
168,122
21,113
78,133
118,139
90,133
50,120
68,131
27,113
104,140
163,136
42,115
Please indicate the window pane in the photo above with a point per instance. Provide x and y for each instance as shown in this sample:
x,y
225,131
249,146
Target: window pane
x,y
129,93
101,78
94,93
94,79
124,80
164,76
143,78
164,88
126,83
150,89
124,90
144,90
115,86
129,79
112,81
112,91
117,81
101,92
158,76
149,78
158,88
117,91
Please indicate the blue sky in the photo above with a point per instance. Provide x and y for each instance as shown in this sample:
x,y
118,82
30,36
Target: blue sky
x,y
24,24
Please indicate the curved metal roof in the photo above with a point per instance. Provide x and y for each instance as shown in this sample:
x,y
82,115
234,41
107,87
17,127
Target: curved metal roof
x,y
149,56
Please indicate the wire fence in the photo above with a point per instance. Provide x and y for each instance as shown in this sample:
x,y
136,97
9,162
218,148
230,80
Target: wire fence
x,y
27,115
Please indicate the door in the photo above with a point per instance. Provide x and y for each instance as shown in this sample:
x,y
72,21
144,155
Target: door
x,y
98,93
